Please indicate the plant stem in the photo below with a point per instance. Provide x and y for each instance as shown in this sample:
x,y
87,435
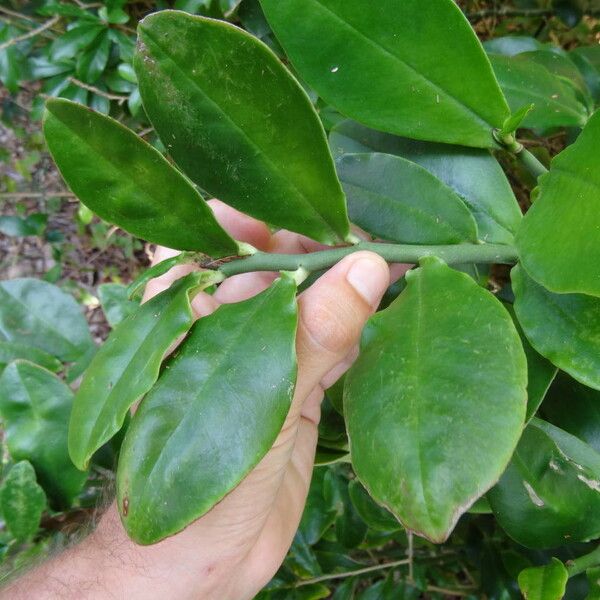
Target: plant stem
x,y
583,563
393,253
531,163
380,567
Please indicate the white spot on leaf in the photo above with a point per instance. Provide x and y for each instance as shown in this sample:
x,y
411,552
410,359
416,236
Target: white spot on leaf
x,y
532,495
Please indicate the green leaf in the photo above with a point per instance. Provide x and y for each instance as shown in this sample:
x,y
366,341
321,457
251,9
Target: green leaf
x,y
35,407
525,81
22,501
375,516
565,328
549,494
540,371
509,45
319,515
544,583
400,201
593,577
423,453
587,59
515,120
41,315
70,43
10,351
127,182
392,68
127,365
552,220
93,60
574,408
473,174
238,123
215,412
115,302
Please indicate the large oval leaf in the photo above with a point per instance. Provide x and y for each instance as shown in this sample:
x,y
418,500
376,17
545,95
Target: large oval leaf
x,y
238,123
565,328
400,201
127,182
127,366
35,407
550,493
22,501
435,403
214,413
527,81
41,315
566,216
389,65
473,174
574,408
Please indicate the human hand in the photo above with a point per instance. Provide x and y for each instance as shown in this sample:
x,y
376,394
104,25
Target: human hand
x,y
233,551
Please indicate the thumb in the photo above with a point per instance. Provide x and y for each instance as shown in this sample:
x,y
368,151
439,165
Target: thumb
x,y
332,314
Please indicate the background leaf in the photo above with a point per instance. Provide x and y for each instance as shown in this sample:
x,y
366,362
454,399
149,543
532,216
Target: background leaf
x,y
565,328
238,123
397,200
548,496
35,407
125,181
473,174
566,215
41,315
414,84
213,412
10,351
22,501
425,454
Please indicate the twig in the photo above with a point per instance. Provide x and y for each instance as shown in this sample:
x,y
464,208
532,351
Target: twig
x,y
19,195
440,590
332,576
30,34
90,88
519,12
411,556
17,15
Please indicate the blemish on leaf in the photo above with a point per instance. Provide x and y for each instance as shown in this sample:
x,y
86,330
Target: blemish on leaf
x,y
591,483
532,495
125,506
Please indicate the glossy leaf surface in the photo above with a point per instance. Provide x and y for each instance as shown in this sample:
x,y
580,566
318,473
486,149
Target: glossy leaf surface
x,y
566,215
575,408
473,174
367,61
544,583
424,440
549,494
540,371
238,123
22,501
525,81
127,182
127,366
212,415
10,351
35,407
565,328
39,314
400,201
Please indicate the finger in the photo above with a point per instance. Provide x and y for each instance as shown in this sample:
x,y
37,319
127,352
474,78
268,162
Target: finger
x,y
332,314
240,226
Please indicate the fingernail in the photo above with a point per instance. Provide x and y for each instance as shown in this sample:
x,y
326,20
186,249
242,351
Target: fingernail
x,y
369,278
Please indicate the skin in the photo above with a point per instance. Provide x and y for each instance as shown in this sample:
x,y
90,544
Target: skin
x,y
235,549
